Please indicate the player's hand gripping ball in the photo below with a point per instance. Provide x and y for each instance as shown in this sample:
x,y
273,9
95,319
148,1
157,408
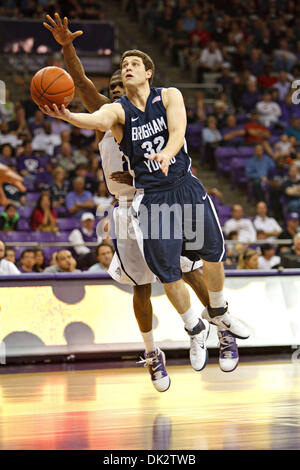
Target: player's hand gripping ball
x,y
52,85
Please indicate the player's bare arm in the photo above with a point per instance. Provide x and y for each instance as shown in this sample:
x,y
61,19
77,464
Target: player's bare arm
x,y
89,95
108,117
176,116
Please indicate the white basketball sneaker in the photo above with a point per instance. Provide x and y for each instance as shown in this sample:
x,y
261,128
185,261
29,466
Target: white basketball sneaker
x,y
228,352
156,362
198,349
222,318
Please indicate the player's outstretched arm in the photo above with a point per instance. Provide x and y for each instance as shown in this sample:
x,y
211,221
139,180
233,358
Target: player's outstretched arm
x,y
89,95
102,120
176,116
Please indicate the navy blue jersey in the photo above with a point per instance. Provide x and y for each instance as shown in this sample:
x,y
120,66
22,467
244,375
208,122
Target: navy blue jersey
x,y
146,133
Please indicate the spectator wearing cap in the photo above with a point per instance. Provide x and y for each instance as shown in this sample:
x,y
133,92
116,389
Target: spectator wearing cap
x,y
291,258
6,267
269,111
46,141
27,261
80,236
268,258
257,169
65,263
233,134
291,189
104,256
9,218
268,225
79,201
292,226
238,223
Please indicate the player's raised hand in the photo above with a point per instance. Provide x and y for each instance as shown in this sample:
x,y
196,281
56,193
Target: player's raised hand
x,y
55,112
60,31
164,161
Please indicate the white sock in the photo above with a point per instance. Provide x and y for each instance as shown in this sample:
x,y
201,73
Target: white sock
x,y
149,341
216,299
190,318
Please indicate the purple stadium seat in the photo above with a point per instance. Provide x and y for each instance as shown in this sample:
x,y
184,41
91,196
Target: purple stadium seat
x,y
15,236
224,156
31,198
238,176
194,135
29,187
48,250
42,237
23,225
245,152
25,211
68,224
62,237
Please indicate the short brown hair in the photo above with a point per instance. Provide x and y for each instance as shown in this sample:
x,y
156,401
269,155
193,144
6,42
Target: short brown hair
x,y
147,61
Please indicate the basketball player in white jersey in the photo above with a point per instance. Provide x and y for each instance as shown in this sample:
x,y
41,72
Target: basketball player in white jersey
x,y
128,265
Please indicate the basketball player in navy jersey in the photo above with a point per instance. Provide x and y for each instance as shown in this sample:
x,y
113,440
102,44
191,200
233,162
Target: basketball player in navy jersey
x,y
199,329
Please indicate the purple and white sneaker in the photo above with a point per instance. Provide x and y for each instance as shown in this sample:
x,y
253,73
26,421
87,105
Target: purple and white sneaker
x,y
156,361
229,353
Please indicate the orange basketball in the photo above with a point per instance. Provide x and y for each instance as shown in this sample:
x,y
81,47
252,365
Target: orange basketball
x,y
52,85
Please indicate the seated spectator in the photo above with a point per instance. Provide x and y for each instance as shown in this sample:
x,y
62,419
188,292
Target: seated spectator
x,y
8,137
27,261
90,183
79,238
53,260
255,133
202,34
7,109
285,147
69,159
10,255
79,201
58,126
43,217
211,136
291,189
269,111
77,139
291,258
284,59
250,97
9,219
6,266
65,263
256,63
294,129
268,258
29,164
257,169
59,188
248,260
220,112
211,60
6,155
102,199
240,224
19,125
292,226
46,141
267,225
177,42
233,134
283,85
276,178
36,123
40,263
226,79
104,255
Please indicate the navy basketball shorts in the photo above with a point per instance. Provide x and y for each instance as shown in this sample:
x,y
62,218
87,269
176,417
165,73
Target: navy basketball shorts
x,y
179,220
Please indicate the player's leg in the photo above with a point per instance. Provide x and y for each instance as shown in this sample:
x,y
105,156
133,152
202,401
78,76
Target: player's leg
x,y
197,328
154,358
228,349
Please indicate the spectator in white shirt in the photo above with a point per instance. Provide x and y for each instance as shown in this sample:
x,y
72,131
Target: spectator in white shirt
x,y
46,140
79,237
211,60
268,259
7,137
283,85
269,111
268,225
240,224
6,267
